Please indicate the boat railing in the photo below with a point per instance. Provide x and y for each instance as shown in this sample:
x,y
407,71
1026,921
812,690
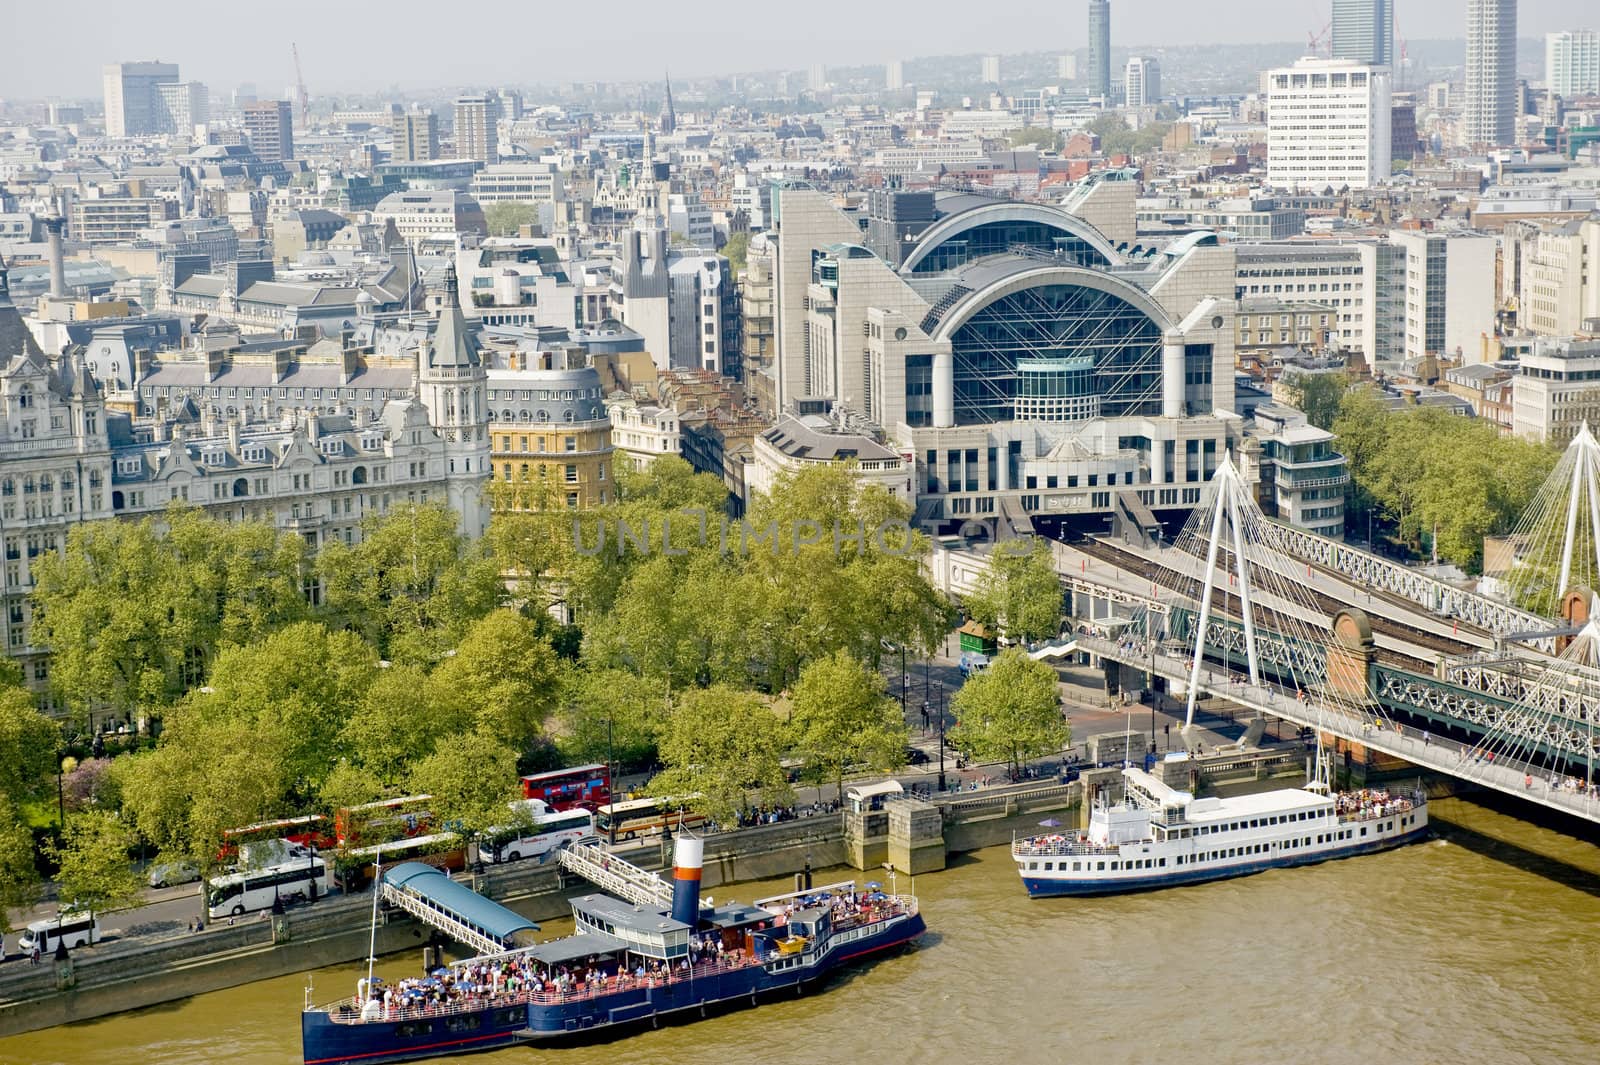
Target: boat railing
x,y
1033,848
1378,811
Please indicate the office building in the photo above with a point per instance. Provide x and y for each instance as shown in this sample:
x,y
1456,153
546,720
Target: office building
x,y
991,70
478,127
1142,81
1067,67
519,182
1489,104
184,105
550,433
1100,48
270,124
816,78
416,137
1328,124
1449,293
133,97
1363,30
1572,62
895,77
1556,390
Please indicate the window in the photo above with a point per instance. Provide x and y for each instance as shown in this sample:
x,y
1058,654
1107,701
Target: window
x,y
572,474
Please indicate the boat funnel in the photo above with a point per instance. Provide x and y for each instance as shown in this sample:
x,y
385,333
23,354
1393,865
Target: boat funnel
x,y
687,858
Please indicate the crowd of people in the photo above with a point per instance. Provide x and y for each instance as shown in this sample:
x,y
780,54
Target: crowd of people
x,y
1368,804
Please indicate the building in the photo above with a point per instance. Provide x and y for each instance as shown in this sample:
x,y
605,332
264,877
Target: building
x,y
1328,124
520,182
1556,390
643,430
116,219
1303,478
1142,81
477,131
551,433
895,76
1558,287
1269,326
1033,368
990,74
133,100
185,105
1572,63
1449,293
1257,218
797,443
436,215
416,137
1067,67
270,124
452,382
690,222
1489,103
1363,30
816,78
1100,48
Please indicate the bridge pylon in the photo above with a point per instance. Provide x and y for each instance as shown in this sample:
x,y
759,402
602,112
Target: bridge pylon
x,y
1230,504
1556,544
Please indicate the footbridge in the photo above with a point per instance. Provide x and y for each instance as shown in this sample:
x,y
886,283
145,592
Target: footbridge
x,y
429,895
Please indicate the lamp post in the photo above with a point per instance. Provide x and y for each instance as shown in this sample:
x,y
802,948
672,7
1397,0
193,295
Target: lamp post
x,y
904,683
941,737
611,758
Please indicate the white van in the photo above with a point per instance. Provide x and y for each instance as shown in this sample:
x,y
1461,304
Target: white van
x,y
73,929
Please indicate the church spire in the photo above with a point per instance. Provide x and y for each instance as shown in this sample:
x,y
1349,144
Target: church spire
x,y
669,118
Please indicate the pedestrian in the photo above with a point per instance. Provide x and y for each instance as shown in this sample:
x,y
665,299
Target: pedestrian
x,y
1427,738
34,957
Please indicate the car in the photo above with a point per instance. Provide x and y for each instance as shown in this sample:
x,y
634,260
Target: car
x,y
916,756
165,874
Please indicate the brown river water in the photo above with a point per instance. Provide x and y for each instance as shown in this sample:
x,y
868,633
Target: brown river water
x,y
1479,945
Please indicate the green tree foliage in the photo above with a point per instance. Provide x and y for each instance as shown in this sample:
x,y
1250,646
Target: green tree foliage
x,y
1441,480
737,251
1035,137
471,776
1318,396
96,874
842,717
413,585
507,219
1010,711
1117,139
19,876
1019,594
721,744
29,742
134,617
612,714
503,679
389,730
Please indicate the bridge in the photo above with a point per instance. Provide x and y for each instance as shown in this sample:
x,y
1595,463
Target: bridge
x,y
429,895
1359,647
622,879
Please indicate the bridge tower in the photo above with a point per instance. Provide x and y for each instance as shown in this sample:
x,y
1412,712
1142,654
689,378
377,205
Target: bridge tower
x,y
1230,504
1557,540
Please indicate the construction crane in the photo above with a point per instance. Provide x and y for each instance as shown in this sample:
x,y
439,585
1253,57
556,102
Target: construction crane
x,y
1316,41
301,98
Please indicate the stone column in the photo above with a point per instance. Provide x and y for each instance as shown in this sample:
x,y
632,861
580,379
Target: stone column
x,y
944,390
1172,376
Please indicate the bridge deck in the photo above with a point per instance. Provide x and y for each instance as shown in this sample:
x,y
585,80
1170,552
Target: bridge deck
x,y
1437,753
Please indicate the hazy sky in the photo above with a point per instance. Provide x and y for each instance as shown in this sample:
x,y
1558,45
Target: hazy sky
x,y
59,48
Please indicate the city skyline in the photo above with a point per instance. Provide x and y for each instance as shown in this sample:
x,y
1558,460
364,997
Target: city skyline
x,y
453,55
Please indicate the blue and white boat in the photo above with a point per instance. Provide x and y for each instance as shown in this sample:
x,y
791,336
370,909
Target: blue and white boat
x,y
625,965
1160,837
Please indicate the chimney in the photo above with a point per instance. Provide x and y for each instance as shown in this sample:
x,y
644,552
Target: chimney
x,y
233,435
58,271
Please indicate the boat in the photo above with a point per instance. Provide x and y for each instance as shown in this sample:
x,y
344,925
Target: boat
x,y
626,965
1161,837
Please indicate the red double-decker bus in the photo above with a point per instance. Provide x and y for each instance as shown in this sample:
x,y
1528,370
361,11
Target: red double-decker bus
x,y
312,830
586,787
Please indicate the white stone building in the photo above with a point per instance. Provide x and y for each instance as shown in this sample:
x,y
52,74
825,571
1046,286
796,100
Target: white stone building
x,y
1328,124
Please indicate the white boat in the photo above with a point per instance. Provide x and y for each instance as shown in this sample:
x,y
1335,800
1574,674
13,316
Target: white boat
x,y
1160,837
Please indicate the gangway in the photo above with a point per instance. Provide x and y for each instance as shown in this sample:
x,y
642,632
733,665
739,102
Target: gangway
x,y
429,895
1052,649
620,878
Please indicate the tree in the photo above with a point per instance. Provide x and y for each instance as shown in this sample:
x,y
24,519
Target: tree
x,y
737,251
1117,139
96,874
720,744
471,777
389,730
1011,711
503,677
19,875
612,715
28,746
1035,137
842,717
1020,593
1318,396
507,219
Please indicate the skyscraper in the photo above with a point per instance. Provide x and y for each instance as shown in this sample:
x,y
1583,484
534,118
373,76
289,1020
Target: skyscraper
x,y
895,77
416,137
478,127
1328,124
1099,47
1572,62
816,78
1142,81
1067,67
133,97
1363,30
991,70
1489,109
184,105
270,124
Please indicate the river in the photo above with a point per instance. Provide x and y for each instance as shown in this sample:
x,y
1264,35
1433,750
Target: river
x,y
1475,946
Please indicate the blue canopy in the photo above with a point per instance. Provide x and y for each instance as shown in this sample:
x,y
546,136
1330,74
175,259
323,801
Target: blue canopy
x,y
458,900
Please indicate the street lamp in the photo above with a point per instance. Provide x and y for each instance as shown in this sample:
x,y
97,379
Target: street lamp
x,y
611,758
941,737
